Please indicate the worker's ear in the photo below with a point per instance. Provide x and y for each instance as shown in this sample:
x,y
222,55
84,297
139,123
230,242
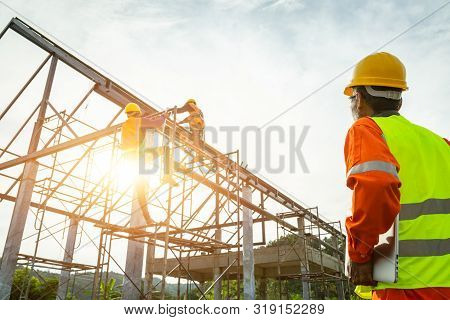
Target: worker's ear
x,y
400,104
359,101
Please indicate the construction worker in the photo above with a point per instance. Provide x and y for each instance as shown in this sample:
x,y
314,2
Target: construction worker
x,y
395,167
133,133
133,129
196,124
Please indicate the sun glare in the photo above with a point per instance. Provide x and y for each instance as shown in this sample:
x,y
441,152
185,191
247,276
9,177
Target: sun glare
x,y
125,172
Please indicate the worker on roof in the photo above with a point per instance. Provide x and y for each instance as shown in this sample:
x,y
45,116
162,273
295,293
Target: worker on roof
x,y
133,129
132,145
395,167
196,124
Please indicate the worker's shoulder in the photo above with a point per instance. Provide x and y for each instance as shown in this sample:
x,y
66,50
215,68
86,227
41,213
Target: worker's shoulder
x,y
132,121
365,124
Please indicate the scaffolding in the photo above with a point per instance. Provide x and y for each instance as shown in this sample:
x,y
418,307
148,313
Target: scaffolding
x,y
207,223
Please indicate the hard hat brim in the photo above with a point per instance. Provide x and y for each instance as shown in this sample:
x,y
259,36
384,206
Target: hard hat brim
x,y
348,91
372,81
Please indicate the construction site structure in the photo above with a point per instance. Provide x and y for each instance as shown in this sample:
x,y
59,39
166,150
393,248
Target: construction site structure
x,y
71,213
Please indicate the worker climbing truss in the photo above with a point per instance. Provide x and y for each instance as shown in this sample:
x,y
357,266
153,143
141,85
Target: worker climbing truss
x,y
66,174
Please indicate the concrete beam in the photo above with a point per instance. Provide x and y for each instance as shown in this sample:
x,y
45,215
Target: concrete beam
x,y
265,259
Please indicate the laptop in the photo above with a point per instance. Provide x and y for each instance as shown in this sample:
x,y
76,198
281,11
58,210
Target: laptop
x,y
385,256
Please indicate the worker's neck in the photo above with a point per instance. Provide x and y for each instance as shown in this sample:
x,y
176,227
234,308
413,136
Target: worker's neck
x,y
386,113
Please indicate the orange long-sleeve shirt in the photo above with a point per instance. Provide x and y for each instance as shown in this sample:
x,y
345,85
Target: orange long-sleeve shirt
x,y
376,195
375,203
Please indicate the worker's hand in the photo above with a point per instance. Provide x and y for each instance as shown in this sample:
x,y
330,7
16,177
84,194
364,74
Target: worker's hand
x,y
361,273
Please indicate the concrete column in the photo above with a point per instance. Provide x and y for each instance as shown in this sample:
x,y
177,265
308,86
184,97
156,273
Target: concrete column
x,y
263,288
22,205
218,236
64,278
339,284
135,256
218,284
149,269
202,285
150,142
248,264
304,267
340,289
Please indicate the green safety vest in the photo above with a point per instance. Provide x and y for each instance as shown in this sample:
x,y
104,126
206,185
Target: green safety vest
x,y
424,218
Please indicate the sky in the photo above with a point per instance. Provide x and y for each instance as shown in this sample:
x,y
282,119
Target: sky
x,y
246,62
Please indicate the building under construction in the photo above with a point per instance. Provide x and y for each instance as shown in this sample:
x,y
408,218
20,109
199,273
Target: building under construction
x,y
71,212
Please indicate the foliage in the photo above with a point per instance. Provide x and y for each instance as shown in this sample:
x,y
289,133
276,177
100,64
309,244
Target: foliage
x,y
49,288
284,240
290,289
71,296
109,291
38,289
330,241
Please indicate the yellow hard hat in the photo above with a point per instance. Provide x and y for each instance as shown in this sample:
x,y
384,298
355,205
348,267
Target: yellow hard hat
x,y
191,101
132,107
378,69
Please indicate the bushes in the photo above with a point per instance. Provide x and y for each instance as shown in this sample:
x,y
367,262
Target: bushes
x,y
38,289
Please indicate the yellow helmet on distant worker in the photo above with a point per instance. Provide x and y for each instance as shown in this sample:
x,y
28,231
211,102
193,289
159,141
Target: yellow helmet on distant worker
x,y
378,69
132,107
191,101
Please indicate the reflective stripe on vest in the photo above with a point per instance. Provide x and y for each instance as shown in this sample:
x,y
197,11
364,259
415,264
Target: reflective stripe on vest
x,y
424,248
410,211
375,165
424,217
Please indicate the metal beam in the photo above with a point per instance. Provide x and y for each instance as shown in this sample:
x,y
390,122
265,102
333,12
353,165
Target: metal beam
x,y
60,147
134,232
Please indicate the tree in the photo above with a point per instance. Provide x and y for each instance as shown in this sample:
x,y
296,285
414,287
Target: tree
x,y
290,239
109,291
21,280
332,243
49,288
43,288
